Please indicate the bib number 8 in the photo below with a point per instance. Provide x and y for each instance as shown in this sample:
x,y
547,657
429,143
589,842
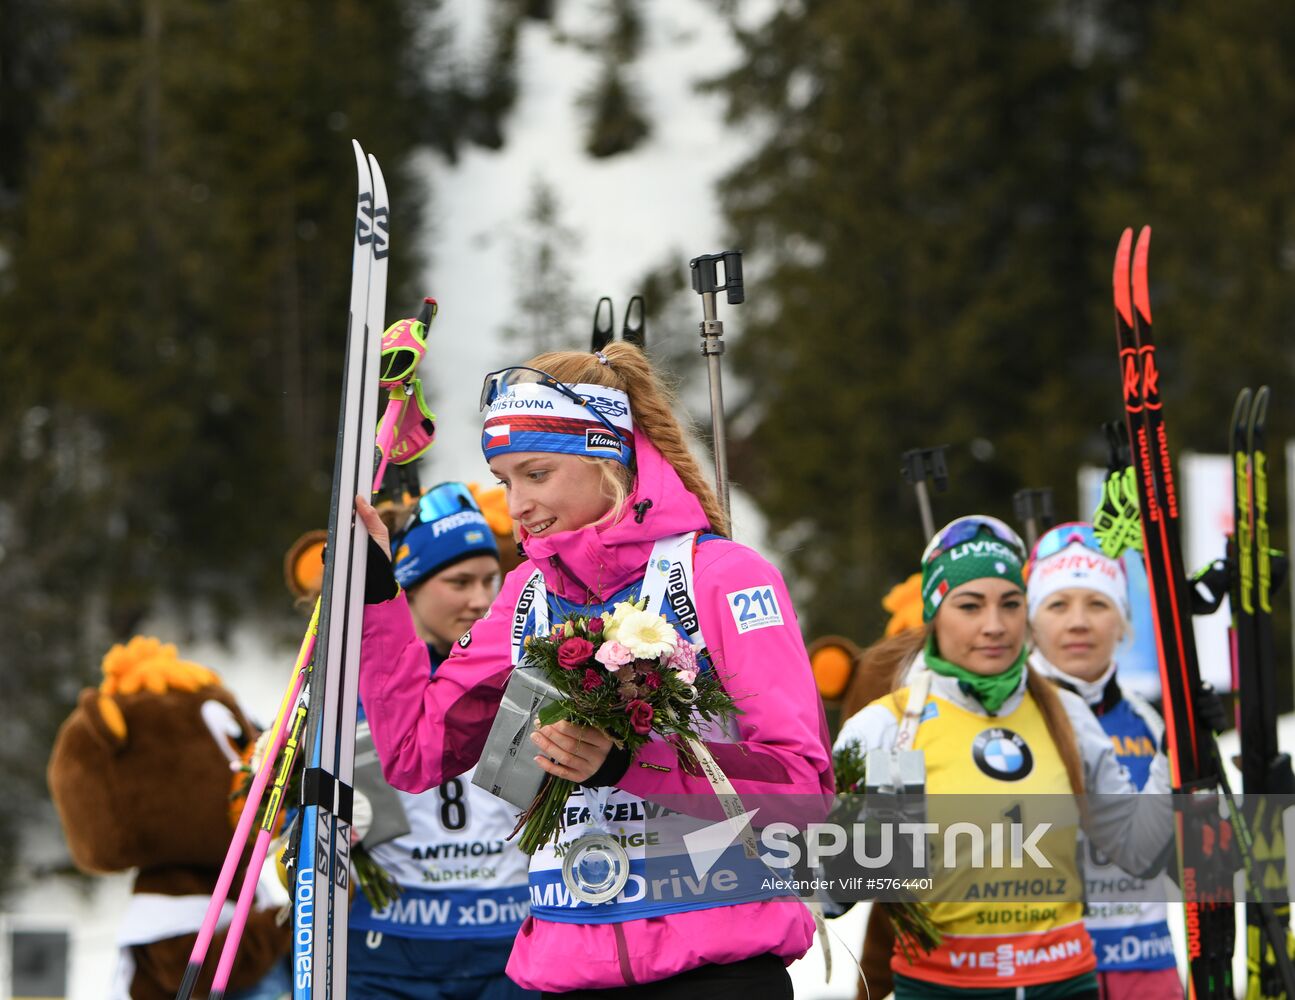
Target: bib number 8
x,y
454,807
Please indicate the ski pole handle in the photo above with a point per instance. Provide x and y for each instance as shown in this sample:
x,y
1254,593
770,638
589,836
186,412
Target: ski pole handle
x,y
917,466
705,275
1033,508
603,324
634,326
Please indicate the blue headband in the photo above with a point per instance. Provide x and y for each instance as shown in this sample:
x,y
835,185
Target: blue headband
x,y
449,528
530,416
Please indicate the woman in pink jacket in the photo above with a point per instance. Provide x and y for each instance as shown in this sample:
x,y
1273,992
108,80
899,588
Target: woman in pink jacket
x,y
602,485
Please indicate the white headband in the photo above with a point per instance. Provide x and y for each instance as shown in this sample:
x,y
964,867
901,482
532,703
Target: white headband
x,y
1078,566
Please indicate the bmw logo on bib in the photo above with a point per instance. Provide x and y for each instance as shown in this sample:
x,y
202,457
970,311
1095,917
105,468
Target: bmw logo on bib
x,y
1002,754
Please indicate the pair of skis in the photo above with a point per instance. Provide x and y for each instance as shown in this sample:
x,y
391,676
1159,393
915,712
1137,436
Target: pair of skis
x,y
324,690
321,898
1194,762
1265,770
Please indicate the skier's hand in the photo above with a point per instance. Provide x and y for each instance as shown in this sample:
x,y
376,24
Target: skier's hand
x,y
373,523
570,751
379,579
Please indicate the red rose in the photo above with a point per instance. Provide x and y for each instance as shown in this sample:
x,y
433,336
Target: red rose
x,y
640,713
574,652
593,679
595,626
651,680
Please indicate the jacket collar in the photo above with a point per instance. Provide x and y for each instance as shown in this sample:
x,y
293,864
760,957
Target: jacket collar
x,y
592,563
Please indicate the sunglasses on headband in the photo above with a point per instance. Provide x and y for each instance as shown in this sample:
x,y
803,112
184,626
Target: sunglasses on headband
x,y
443,500
1062,536
964,529
496,383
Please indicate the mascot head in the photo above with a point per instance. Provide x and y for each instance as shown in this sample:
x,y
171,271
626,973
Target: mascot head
x,y
141,769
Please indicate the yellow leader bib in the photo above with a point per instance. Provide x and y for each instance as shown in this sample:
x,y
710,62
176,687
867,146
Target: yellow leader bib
x,y
1014,922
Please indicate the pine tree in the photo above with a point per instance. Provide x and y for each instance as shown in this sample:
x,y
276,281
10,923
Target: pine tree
x,y
917,221
174,298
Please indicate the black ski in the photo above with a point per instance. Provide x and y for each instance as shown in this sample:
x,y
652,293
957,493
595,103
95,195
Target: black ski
x,y
1210,915
1265,770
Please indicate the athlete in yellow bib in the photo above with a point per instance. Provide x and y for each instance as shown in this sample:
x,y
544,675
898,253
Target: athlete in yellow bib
x,y
1004,751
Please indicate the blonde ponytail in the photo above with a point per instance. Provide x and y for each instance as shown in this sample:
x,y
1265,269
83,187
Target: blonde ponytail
x,y
653,405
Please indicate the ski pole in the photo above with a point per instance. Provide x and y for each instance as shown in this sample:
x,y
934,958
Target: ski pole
x,y
918,465
260,849
705,281
245,820
1273,928
1033,508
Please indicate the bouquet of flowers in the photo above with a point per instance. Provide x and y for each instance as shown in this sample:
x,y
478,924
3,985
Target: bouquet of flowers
x,y
911,919
629,674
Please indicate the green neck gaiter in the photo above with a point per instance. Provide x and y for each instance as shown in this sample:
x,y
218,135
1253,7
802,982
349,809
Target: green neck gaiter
x,y
990,690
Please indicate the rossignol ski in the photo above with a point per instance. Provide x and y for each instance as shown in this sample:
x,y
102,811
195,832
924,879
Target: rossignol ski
x,y
1210,913
320,891
1265,770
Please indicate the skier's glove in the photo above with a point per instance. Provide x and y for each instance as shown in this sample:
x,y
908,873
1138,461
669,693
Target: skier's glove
x,y
1210,585
1209,850
1209,706
379,579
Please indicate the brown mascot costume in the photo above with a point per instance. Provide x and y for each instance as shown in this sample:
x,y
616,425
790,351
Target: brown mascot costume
x,y
141,775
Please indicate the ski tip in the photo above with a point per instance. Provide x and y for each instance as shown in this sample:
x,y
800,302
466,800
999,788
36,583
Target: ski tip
x,y
1141,294
376,171
1259,414
1240,411
1120,278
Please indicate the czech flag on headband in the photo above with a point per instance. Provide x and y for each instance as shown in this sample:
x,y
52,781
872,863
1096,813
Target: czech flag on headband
x,y
534,417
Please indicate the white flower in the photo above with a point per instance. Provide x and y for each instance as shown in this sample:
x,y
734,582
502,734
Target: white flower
x,y
648,636
612,622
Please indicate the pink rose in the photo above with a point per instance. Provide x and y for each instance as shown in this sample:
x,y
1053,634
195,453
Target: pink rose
x,y
640,713
651,680
595,626
593,679
574,652
687,676
613,655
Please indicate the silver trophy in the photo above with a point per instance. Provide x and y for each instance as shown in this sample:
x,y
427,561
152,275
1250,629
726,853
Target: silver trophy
x,y
595,868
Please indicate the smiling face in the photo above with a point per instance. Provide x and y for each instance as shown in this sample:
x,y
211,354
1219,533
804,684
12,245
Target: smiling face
x,y
549,493
1077,630
980,625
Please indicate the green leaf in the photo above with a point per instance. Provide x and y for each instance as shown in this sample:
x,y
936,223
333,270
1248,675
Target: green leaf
x,y
555,712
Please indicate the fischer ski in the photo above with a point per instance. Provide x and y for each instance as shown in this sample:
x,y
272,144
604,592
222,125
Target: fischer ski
x,y
1210,913
1265,770
321,890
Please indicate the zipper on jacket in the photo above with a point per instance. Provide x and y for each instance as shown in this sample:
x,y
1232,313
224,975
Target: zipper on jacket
x,y
590,593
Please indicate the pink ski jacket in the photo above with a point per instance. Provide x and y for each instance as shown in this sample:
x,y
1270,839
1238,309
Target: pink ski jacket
x,y
427,731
